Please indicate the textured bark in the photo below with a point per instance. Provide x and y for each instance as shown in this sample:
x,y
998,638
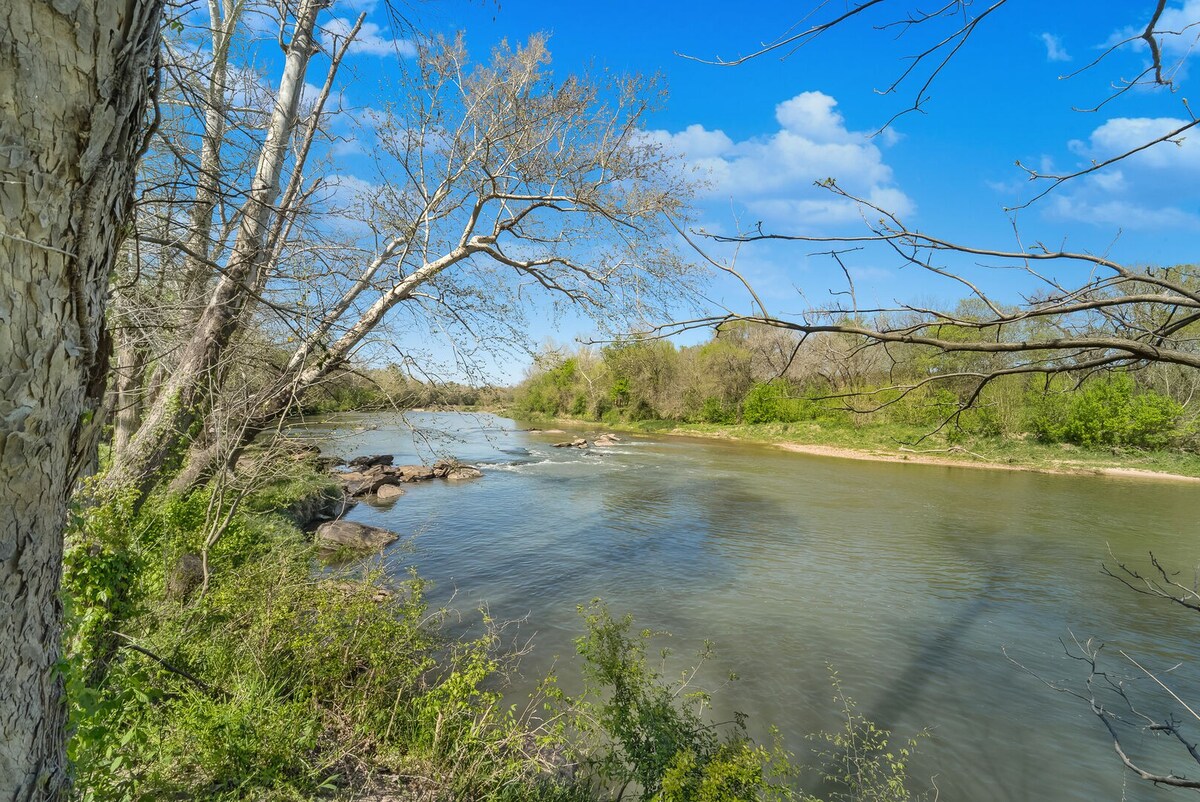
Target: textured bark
x,y
223,18
74,80
183,396
127,390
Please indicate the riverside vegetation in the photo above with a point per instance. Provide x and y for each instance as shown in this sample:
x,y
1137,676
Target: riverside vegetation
x,y
268,676
760,383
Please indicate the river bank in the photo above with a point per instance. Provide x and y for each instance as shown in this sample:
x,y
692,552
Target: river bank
x,y
904,445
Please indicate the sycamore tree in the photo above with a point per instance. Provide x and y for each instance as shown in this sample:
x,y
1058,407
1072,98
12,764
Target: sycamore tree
x,y
77,80
500,188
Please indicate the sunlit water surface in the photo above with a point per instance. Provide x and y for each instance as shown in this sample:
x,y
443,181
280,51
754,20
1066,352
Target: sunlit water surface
x,y
910,580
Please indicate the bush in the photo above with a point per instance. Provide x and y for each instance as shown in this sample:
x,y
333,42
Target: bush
x,y
652,733
771,402
275,683
1108,411
862,759
714,411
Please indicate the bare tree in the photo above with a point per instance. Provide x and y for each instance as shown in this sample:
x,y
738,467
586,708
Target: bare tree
x,y
77,79
496,184
263,215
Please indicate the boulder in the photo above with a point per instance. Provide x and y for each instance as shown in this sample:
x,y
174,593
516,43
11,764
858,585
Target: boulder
x,y
185,576
321,505
357,488
328,463
577,443
606,440
460,472
414,473
353,536
367,461
389,492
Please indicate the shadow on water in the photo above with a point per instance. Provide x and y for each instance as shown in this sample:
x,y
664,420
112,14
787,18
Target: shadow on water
x,y
903,692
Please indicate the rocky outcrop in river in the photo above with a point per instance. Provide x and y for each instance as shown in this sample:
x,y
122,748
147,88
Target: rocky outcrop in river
x,y
336,535
375,478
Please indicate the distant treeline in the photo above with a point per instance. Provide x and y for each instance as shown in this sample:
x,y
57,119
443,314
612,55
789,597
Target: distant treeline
x,y
394,388
755,374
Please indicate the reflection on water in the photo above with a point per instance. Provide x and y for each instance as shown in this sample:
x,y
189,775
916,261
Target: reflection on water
x,y
907,578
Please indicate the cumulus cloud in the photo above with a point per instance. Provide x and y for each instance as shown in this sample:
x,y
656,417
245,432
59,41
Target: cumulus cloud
x,y
372,39
1153,189
1054,48
1178,31
773,176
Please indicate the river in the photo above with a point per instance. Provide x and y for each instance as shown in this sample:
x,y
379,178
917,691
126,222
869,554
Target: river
x,y
911,580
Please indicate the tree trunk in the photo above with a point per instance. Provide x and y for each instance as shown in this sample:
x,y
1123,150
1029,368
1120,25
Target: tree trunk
x,y
128,390
185,394
74,80
306,367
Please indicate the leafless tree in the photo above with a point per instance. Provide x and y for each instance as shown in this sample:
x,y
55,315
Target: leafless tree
x,y
496,184
1120,316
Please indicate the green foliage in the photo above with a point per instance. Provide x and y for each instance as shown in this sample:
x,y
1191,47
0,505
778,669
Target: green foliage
x,y
551,393
275,683
653,733
772,402
1108,411
101,578
713,410
863,760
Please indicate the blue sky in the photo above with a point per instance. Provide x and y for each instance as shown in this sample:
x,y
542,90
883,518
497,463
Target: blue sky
x,y
765,130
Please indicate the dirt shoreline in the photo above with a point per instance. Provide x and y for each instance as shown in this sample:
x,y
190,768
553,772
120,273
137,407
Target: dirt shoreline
x,y
841,452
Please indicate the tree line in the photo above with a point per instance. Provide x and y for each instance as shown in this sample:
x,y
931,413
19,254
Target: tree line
x,y
753,373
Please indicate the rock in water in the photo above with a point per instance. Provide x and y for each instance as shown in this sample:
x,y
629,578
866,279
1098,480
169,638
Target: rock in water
x,y
414,473
367,461
461,472
389,492
354,536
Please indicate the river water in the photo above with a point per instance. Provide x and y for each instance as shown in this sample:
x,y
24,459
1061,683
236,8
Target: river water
x,y
913,581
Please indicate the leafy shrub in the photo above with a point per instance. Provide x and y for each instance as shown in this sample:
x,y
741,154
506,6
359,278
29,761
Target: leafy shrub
x,y
862,759
1108,411
652,733
771,402
714,411
579,405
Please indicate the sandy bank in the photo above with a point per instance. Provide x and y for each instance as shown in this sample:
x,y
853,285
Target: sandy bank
x,y
920,458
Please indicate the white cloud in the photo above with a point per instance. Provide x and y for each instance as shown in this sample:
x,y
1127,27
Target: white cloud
x,y
347,199
1123,134
1156,188
372,39
1125,214
1054,48
773,176
1178,35
1180,28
